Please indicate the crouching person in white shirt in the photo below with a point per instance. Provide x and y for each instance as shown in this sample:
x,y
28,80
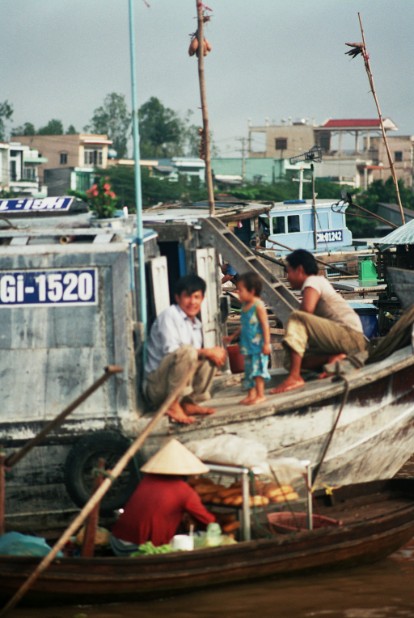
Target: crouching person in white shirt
x,y
175,345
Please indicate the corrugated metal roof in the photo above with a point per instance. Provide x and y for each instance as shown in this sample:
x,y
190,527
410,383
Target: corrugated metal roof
x,y
403,235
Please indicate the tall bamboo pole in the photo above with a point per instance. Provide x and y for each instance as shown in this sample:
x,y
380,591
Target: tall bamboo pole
x,y
374,94
142,294
204,109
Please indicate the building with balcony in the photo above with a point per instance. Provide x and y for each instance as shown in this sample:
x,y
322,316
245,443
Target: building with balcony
x,y
71,160
19,170
353,150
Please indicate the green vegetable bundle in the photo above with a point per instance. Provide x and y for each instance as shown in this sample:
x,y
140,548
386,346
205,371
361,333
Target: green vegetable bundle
x,y
149,548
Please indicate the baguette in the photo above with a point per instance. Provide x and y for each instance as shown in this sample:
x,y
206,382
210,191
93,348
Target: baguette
x,y
272,490
230,527
234,500
208,489
259,500
226,492
285,497
208,497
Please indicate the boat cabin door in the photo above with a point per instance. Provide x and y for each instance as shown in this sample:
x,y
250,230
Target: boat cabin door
x,y
206,261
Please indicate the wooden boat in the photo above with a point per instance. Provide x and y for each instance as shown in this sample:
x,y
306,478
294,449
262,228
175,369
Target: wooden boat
x,y
361,436
402,284
378,518
373,436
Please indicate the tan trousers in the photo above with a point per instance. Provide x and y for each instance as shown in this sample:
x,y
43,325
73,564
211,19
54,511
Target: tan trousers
x,y
310,334
171,372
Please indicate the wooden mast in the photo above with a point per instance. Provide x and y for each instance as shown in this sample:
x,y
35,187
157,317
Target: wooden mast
x,y
205,135
361,48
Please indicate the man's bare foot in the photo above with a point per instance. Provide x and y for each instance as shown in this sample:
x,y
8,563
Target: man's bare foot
x,y
178,414
178,418
191,408
287,385
335,358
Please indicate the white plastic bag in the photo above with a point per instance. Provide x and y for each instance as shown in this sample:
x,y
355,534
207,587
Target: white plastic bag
x,y
228,449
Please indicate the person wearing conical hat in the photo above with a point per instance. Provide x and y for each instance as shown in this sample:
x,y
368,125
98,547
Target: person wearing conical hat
x,y
155,510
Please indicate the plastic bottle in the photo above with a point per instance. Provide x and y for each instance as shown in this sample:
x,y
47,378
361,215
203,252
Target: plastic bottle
x,y
213,535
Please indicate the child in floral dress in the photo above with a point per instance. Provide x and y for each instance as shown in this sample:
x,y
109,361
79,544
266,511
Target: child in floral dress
x,y
254,337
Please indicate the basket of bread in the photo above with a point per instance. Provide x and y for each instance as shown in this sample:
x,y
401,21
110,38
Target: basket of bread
x,y
261,493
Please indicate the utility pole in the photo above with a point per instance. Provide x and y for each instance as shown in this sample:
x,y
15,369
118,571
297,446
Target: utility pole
x,y
301,180
243,154
314,155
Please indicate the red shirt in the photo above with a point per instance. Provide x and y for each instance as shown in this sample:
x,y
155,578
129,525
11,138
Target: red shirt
x,y
155,509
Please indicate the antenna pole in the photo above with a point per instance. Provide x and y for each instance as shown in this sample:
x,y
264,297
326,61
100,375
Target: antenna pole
x,y
384,136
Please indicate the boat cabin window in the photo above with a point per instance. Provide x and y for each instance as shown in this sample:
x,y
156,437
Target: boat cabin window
x,y
278,225
293,223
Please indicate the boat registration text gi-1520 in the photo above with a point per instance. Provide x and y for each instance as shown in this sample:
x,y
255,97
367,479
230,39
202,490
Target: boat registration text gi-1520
x,y
48,287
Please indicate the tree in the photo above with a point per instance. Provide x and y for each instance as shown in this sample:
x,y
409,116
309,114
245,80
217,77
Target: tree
x,y
162,132
25,129
53,127
114,120
6,112
71,130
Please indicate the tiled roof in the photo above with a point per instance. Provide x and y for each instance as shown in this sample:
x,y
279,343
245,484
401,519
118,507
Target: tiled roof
x,y
351,123
357,123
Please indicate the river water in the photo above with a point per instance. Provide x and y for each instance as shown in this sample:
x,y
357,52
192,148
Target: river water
x,y
382,590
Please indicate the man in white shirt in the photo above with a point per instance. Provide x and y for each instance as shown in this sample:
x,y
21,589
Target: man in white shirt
x,y
324,330
175,345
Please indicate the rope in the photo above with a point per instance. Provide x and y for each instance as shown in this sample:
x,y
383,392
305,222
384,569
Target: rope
x,y
328,442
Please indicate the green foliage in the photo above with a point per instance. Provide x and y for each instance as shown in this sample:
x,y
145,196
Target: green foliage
x,y
25,129
6,112
154,188
7,194
53,127
113,119
161,130
71,130
384,192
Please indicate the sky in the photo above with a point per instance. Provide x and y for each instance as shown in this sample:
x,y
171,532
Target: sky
x,y
271,59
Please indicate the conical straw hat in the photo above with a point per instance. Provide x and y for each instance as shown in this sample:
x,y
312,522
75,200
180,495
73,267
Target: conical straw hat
x,y
174,458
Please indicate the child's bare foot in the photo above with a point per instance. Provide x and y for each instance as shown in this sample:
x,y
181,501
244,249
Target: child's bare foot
x,y
193,408
247,400
287,385
250,401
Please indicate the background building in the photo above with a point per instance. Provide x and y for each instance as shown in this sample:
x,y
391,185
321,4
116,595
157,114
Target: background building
x,y
19,170
70,160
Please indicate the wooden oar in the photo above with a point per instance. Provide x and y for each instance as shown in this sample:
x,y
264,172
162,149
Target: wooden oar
x,y
98,495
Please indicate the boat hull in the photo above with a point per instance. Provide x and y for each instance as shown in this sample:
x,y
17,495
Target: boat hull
x,y
365,425
378,519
